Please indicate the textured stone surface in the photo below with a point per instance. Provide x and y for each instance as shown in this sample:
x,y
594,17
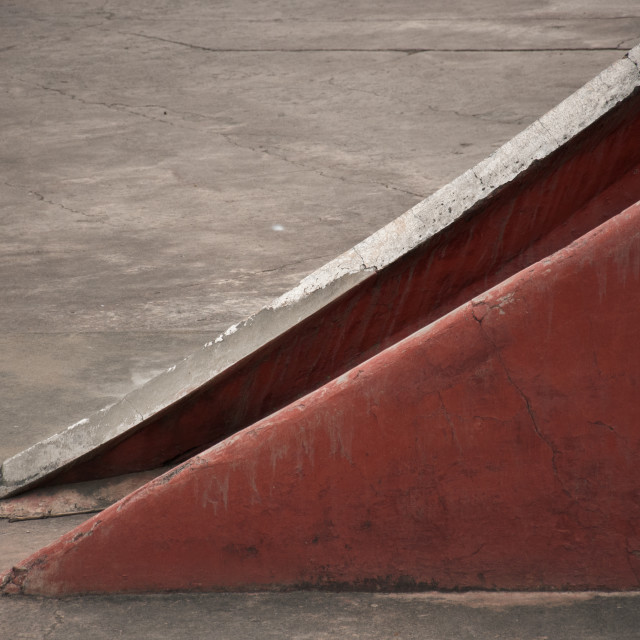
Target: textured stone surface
x,y
63,356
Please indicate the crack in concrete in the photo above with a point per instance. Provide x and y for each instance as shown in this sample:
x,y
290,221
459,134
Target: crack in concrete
x,y
41,198
633,62
121,106
483,117
627,43
536,428
392,188
525,399
293,264
230,138
362,260
447,417
140,416
116,106
472,554
599,423
551,136
440,19
407,51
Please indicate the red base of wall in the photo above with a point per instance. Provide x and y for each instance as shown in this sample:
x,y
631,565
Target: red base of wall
x,y
497,448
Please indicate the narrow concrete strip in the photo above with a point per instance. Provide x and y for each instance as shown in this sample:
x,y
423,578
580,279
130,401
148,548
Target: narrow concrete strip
x,y
82,497
339,278
414,470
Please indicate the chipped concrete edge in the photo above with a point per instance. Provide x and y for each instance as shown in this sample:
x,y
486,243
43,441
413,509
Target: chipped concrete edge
x,y
385,246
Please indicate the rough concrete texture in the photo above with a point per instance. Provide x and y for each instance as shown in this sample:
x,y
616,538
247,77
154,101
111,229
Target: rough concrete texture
x,y
415,470
561,126
301,616
144,180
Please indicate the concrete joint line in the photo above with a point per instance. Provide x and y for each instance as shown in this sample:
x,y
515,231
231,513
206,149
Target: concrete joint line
x,y
409,52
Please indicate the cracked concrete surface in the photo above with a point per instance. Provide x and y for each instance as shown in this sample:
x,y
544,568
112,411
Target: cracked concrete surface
x,y
525,399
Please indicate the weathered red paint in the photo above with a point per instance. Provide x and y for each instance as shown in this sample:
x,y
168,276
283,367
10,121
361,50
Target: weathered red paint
x,y
566,195
495,448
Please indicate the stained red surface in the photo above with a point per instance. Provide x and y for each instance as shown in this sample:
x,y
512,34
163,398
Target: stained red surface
x,y
496,448
563,197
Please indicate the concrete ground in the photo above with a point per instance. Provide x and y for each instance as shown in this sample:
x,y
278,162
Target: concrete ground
x,y
318,616
167,168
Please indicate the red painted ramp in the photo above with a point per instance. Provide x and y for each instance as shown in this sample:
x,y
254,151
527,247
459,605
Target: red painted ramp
x,y
495,448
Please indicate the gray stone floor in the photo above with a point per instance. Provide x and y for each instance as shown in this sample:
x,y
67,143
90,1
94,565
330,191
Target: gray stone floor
x,y
166,168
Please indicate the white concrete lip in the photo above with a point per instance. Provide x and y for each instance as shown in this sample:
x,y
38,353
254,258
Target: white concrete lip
x,y
550,132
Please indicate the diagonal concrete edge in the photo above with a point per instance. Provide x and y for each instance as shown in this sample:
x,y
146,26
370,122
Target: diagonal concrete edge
x,y
430,217
495,448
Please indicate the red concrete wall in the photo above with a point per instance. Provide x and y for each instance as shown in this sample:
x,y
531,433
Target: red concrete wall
x,y
497,448
563,197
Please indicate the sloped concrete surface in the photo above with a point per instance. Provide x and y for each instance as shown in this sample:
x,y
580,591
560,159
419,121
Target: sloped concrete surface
x,y
148,165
